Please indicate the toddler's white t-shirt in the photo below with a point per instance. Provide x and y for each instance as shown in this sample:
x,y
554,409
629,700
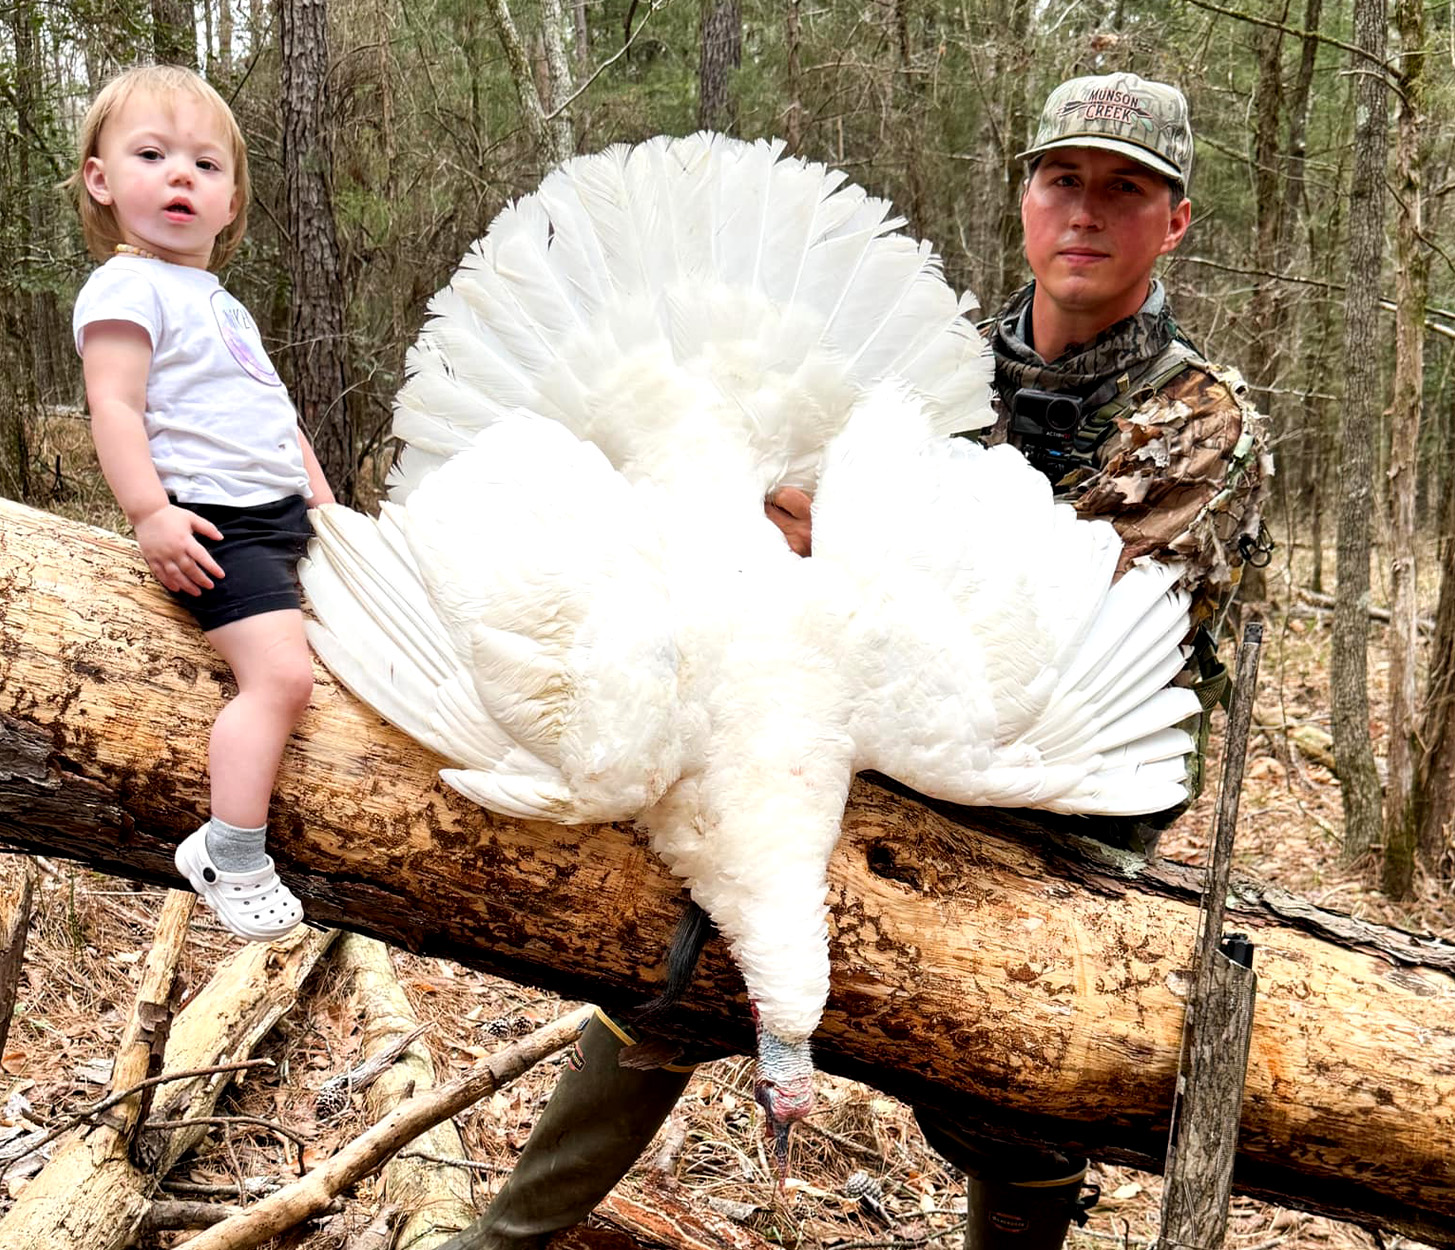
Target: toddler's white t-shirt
x,y
219,422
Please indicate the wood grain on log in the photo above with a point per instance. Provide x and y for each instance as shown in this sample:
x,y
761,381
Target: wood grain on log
x,y
1031,980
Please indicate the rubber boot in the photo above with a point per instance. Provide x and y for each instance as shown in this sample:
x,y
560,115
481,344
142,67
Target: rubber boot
x,y
1024,1215
1016,1197
599,1119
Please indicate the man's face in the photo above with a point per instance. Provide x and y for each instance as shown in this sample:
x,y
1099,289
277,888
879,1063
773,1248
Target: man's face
x,y
1095,223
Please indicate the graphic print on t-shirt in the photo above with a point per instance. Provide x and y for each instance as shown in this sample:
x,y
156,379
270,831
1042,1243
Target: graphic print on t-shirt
x,y
240,333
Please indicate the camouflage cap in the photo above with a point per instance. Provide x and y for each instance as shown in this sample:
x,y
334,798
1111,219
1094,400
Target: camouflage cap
x,y
1120,113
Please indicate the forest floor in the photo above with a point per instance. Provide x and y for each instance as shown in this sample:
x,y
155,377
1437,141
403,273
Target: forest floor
x,y
91,933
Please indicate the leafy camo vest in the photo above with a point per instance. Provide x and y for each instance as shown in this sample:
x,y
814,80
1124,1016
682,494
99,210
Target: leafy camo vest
x,y
1165,445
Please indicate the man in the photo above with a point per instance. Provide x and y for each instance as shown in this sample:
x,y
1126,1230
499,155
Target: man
x,y
1096,385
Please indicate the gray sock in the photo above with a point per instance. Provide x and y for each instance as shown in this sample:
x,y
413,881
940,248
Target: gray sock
x,y
236,850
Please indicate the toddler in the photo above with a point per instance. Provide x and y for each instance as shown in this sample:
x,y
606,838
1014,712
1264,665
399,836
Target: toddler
x,y
200,444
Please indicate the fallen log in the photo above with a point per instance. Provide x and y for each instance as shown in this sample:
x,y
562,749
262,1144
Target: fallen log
x,y
432,1199
1032,979
95,1193
314,1192
91,1193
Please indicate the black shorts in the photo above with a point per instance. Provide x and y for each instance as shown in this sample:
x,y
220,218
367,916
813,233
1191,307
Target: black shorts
x,y
259,551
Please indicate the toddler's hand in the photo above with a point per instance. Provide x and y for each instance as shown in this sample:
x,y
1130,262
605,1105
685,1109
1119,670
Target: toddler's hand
x,y
172,552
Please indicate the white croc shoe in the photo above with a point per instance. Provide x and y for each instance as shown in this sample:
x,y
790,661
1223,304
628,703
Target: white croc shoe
x,y
255,904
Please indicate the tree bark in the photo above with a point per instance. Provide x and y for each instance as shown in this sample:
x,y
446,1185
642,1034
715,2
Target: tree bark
x,y
1359,781
721,52
558,72
552,136
320,388
1412,286
1437,766
793,43
174,32
1030,979
14,930
19,397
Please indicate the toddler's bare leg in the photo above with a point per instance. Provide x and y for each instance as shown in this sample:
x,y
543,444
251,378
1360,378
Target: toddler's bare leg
x,y
269,657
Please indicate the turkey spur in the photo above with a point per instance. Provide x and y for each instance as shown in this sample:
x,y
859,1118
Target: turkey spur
x,y
574,594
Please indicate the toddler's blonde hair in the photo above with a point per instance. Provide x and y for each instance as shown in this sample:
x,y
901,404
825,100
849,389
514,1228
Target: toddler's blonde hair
x,y
98,221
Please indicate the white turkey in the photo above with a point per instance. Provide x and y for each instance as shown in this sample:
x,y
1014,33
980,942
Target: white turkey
x,y
575,596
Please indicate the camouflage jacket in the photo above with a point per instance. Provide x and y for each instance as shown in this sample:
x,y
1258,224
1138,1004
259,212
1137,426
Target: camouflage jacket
x,y
1181,474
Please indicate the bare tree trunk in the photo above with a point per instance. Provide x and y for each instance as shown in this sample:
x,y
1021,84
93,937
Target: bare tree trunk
x,y
553,137
1437,769
1262,359
1025,978
320,389
553,35
793,37
1264,354
1011,87
174,32
721,52
19,393
1412,285
583,38
224,38
1360,415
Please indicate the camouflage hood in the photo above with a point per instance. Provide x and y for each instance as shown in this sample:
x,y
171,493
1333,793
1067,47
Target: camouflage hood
x,y
1122,348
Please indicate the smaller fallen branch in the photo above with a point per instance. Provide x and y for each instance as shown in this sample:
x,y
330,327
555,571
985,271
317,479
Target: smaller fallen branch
x,y
166,1215
1325,603
311,1195
14,926
88,1116
663,1216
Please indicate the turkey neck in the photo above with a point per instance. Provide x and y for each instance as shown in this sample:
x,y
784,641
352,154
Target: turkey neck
x,y
768,797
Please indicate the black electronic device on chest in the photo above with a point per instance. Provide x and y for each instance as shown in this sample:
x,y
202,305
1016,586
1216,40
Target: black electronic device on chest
x,y
1044,424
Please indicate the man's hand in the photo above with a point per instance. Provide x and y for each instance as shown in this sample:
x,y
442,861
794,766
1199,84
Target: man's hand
x,y
169,546
791,510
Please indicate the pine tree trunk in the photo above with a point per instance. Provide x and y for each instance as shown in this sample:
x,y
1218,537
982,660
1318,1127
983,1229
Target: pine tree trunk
x,y
793,39
1412,283
1033,981
174,32
1437,766
1359,417
320,390
721,54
